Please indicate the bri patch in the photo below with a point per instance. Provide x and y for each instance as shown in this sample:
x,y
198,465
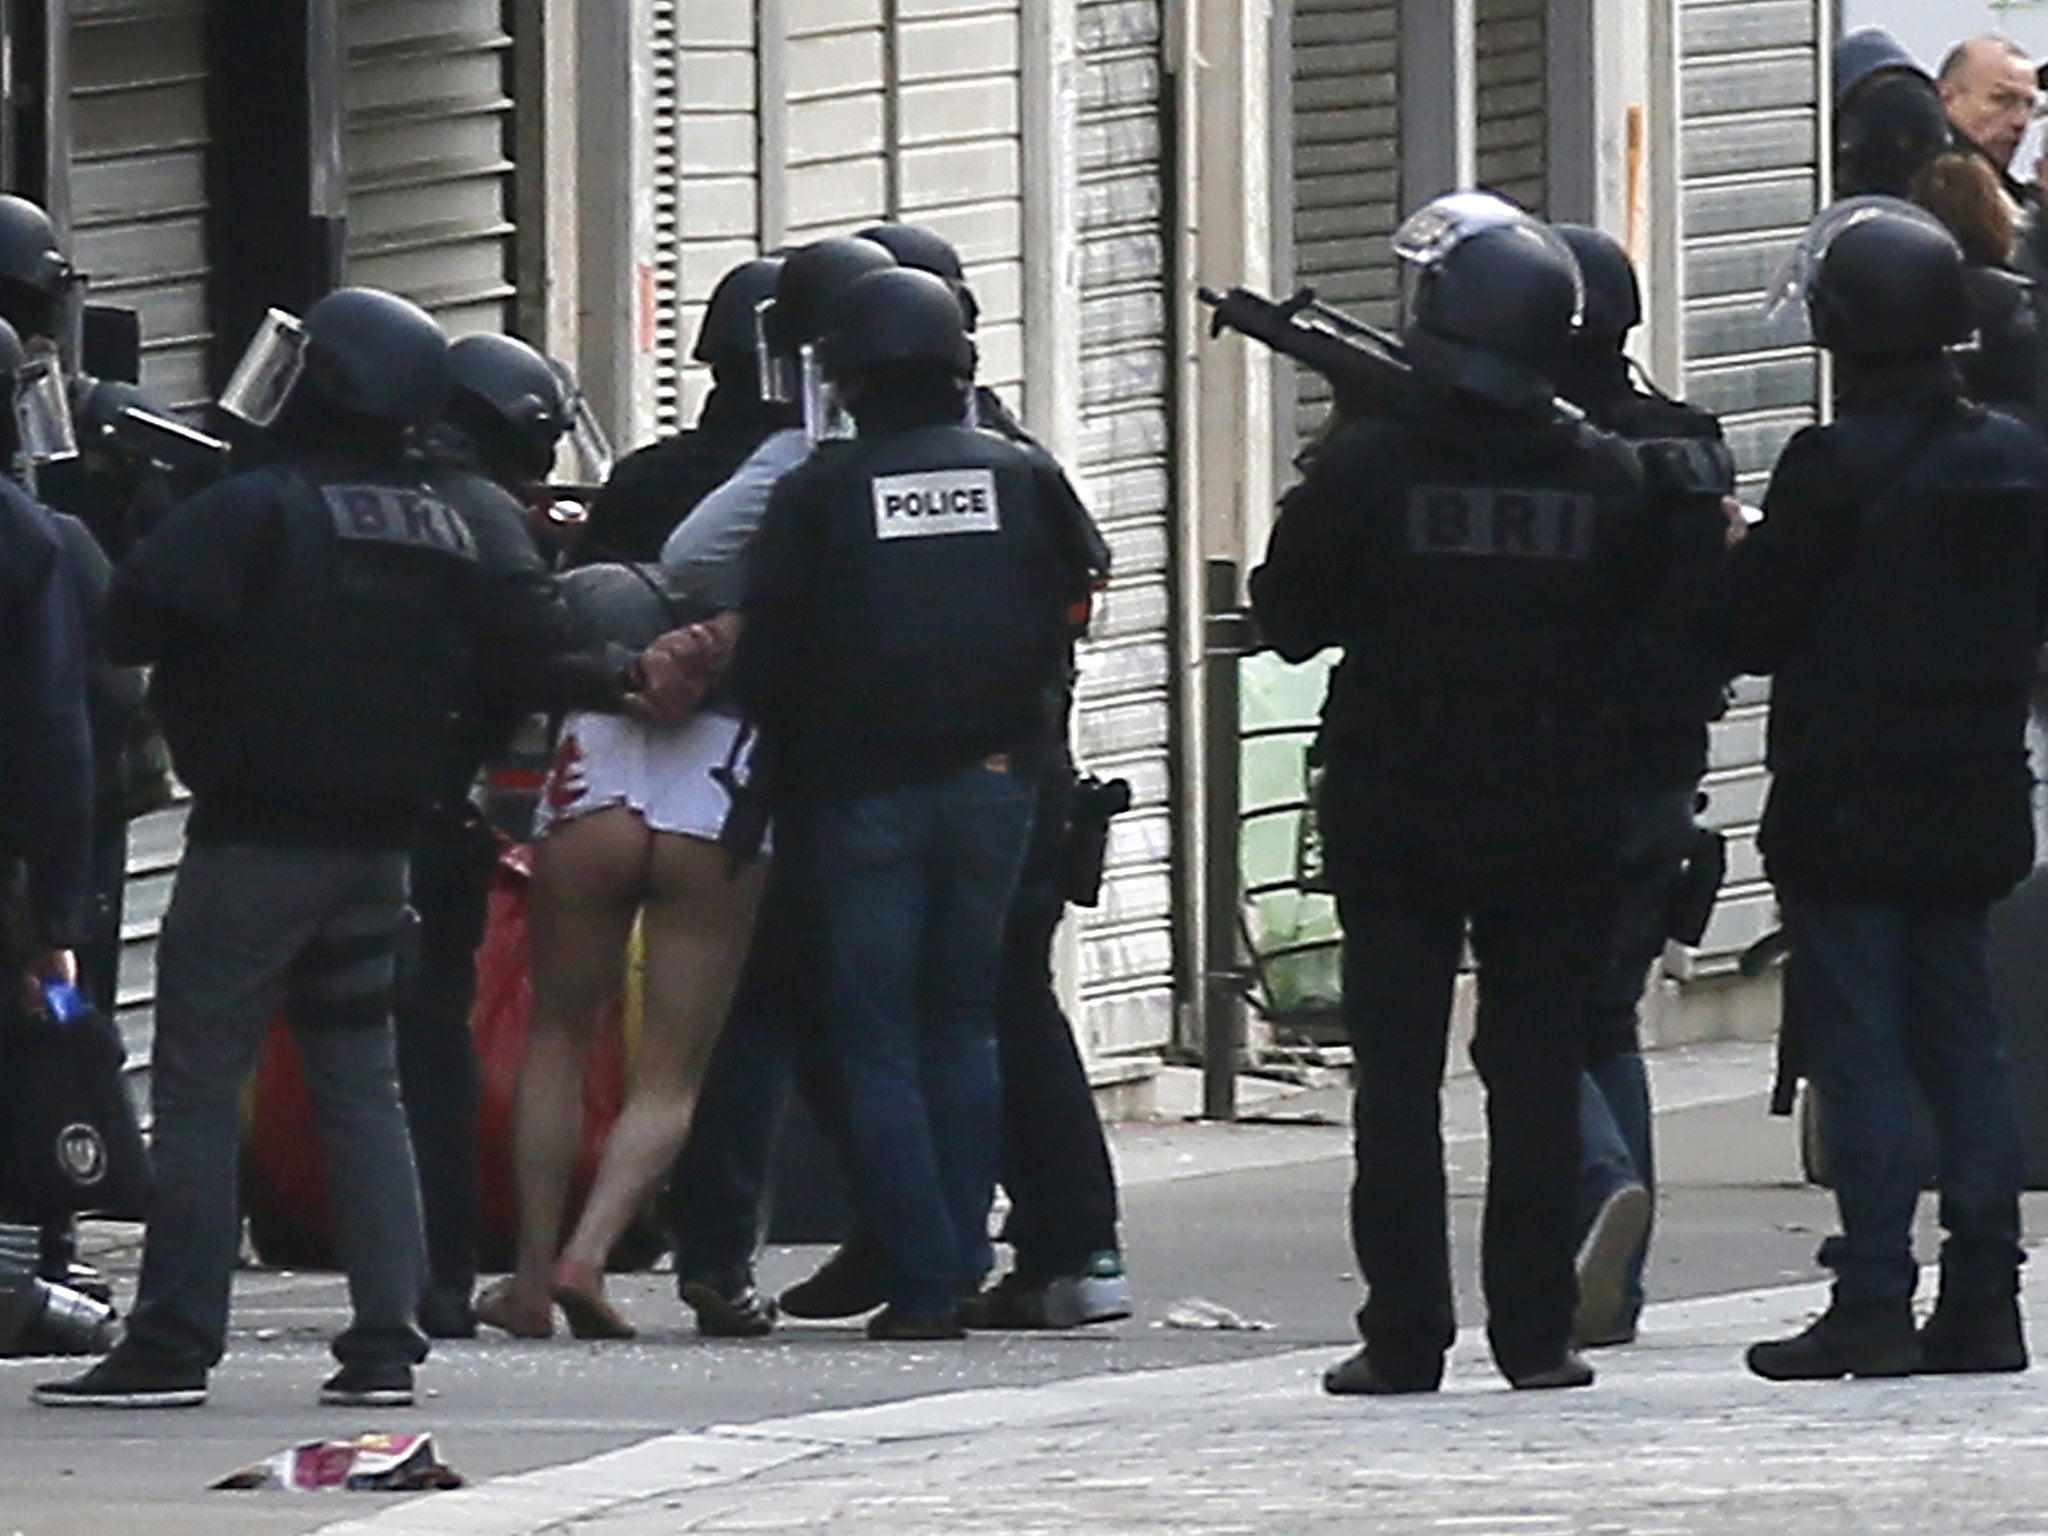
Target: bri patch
x,y
390,514
1500,522
936,503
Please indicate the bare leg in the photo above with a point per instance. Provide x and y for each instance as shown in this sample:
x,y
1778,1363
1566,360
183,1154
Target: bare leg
x,y
695,927
587,877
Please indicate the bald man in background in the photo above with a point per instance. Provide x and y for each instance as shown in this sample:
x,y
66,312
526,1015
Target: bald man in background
x,y
1990,90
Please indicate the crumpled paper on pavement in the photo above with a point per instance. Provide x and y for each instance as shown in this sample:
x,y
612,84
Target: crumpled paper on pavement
x,y
365,1464
1196,1313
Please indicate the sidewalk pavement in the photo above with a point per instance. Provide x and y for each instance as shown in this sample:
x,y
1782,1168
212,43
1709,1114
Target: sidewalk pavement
x,y
1675,1437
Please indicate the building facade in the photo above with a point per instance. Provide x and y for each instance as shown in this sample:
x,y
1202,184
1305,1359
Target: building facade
x,y
582,173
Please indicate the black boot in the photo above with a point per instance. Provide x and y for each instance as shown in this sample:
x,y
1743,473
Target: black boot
x,y
1852,1338
1360,1375
1968,1335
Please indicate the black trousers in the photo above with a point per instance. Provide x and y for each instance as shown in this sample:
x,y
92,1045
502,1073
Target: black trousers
x,y
1536,968
437,1069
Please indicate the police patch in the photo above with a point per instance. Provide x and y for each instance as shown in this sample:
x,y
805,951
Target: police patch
x,y
936,503
390,514
1500,522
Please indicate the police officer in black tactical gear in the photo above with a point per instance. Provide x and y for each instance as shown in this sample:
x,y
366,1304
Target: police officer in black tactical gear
x,y
46,760
906,617
508,410
1481,558
651,490
1895,592
312,626
1055,1165
115,493
1672,688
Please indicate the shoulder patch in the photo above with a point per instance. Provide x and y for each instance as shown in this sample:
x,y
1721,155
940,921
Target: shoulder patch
x,y
1500,522
389,514
936,503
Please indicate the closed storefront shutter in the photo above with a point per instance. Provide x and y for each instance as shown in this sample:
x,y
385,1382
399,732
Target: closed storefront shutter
x,y
706,180
1345,58
1125,712
1513,120
138,177
958,110
427,119
837,62
138,195
1750,143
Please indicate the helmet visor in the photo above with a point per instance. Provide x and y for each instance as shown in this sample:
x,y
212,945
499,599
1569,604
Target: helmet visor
x,y
825,418
263,379
777,387
586,433
1437,228
42,412
1796,277
1429,235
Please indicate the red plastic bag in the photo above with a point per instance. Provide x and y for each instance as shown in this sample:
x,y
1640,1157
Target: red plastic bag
x,y
284,1165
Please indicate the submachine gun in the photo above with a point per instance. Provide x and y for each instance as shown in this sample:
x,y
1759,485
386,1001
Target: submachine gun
x,y
1365,365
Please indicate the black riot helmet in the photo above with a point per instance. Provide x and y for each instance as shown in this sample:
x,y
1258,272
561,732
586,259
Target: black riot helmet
x,y
1497,299
1886,281
34,275
913,245
899,318
725,339
515,404
364,354
1614,298
809,287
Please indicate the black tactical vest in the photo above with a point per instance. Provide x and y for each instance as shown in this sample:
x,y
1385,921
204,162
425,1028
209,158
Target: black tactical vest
x,y
333,697
943,614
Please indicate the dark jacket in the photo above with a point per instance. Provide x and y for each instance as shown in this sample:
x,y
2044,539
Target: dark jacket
x,y
1672,684
1896,591
1480,573
653,489
312,629
46,770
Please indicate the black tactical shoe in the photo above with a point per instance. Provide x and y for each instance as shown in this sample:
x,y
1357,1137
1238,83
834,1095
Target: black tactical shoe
x,y
892,1324
845,1285
728,1307
129,1378
1851,1338
1966,1337
364,1385
1570,1371
1359,1376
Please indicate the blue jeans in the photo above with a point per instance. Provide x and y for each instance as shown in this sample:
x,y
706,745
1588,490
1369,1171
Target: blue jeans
x,y
1893,996
1616,1132
914,885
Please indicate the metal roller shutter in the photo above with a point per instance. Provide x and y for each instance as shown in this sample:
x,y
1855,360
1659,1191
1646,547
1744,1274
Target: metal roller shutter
x,y
1345,59
426,115
138,192
1125,712
838,62
1750,98
958,112
706,179
1512,100
138,177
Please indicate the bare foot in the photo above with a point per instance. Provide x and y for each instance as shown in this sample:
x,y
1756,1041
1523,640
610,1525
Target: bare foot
x,y
505,1307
